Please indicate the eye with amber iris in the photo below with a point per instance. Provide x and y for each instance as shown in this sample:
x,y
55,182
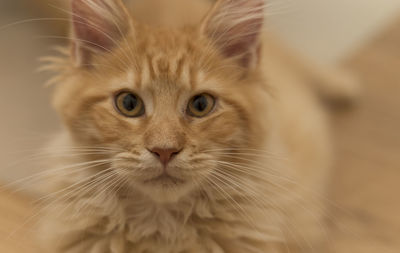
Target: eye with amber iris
x,y
201,105
129,104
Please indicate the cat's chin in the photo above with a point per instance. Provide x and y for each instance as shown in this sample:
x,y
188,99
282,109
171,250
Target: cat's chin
x,y
165,189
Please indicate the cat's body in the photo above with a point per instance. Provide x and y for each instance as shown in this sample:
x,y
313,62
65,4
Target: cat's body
x,y
262,158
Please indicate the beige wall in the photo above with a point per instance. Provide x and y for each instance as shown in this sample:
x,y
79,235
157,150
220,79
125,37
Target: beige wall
x,y
329,30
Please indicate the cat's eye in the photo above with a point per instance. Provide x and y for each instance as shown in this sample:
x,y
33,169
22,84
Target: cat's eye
x,y
201,105
129,104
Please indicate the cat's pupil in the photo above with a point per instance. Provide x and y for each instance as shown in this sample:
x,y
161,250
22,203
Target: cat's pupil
x,y
130,102
200,103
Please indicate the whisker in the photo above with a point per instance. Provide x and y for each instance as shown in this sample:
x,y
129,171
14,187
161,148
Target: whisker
x,y
235,203
257,196
75,184
44,173
86,189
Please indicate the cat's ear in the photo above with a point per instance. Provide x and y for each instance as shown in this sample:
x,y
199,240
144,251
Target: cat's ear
x,y
97,27
235,26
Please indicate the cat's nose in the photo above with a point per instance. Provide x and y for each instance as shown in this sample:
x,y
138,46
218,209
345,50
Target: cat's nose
x,y
165,154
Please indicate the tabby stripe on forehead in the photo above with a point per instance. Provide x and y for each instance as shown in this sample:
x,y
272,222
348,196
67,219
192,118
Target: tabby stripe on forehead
x,y
151,69
179,67
163,66
193,77
138,77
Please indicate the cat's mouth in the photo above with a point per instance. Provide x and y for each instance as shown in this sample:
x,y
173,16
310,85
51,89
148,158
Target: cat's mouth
x,y
165,179
165,187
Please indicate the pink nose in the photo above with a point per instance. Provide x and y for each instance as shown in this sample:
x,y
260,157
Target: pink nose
x,y
165,155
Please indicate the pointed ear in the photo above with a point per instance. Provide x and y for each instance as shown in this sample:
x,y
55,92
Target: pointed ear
x,y
235,26
97,26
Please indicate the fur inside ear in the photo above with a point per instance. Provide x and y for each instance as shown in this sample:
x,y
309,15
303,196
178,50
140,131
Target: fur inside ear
x,y
235,27
97,26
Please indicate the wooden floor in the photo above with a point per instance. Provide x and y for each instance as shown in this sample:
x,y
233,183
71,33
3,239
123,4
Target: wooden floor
x,y
365,197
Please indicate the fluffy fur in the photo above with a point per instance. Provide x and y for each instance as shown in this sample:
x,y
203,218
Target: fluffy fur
x,y
249,175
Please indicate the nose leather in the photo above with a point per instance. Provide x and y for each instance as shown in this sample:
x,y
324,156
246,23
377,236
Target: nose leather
x,y
165,154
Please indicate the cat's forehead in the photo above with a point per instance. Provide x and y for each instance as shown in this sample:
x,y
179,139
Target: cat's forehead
x,y
162,56
166,61
177,70
163,74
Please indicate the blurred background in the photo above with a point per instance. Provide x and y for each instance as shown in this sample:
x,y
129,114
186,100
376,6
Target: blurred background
x,y
361,35
328,31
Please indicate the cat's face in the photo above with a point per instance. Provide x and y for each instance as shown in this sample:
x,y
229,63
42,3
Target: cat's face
x,y
168,103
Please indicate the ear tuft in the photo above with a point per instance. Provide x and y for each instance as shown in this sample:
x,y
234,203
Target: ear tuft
x,y
98,25
235,27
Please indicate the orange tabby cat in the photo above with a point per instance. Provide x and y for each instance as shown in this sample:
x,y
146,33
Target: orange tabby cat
x,y
204,137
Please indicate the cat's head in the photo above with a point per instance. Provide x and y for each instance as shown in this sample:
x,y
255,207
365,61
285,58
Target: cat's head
x,y
174,104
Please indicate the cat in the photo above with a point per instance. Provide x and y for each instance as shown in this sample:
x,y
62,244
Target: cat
x,y
204,136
